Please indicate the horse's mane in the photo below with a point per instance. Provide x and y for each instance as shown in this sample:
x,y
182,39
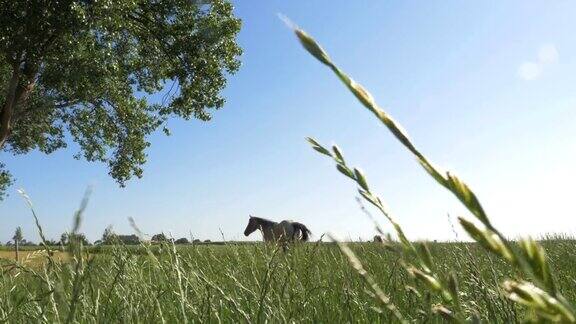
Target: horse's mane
x,y
263,221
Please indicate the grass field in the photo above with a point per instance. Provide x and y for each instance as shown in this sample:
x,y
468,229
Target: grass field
x,y
32,254
256,283
491,280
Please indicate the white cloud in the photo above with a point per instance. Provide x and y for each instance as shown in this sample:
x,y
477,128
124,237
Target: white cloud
x,y
548,54
531,70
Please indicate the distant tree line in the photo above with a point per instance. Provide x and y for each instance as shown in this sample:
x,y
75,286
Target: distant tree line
x,y
19,240
109,237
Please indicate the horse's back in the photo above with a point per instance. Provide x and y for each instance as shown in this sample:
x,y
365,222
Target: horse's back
x,y
283,230
286,223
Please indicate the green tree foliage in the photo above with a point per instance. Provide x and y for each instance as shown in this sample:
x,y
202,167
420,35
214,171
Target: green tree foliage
x,y
129,239
67,238
18,235
5,180
51,242
80,237
182,240
64,238
109,237
159,238
88,69
17,238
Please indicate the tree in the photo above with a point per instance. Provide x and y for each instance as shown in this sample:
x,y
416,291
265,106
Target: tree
x,y
91,69
64,238
80,238
5,180
25,242
109,237
129,239
182,240
51,242
159,238
17,238
67,238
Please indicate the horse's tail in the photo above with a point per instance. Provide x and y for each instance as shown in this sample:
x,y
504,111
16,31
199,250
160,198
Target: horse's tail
x,y
303,229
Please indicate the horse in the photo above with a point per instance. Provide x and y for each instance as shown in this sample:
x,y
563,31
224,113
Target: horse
x,y
285,231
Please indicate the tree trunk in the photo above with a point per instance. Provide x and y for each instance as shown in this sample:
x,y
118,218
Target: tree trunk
x,y
16,94
17,245
8,106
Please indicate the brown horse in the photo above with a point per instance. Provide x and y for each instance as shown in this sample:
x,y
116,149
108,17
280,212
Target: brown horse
x,y
285,231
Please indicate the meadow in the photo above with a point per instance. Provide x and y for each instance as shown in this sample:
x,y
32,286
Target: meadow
x,y
310,282
492,279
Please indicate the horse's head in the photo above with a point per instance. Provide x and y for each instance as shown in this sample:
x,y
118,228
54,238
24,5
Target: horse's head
x,y
252,226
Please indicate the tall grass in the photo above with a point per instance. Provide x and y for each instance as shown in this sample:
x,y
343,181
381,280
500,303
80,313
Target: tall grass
x,y
257,283
535,288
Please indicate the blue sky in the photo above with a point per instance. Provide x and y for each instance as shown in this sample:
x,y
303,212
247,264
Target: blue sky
x,y
486,89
